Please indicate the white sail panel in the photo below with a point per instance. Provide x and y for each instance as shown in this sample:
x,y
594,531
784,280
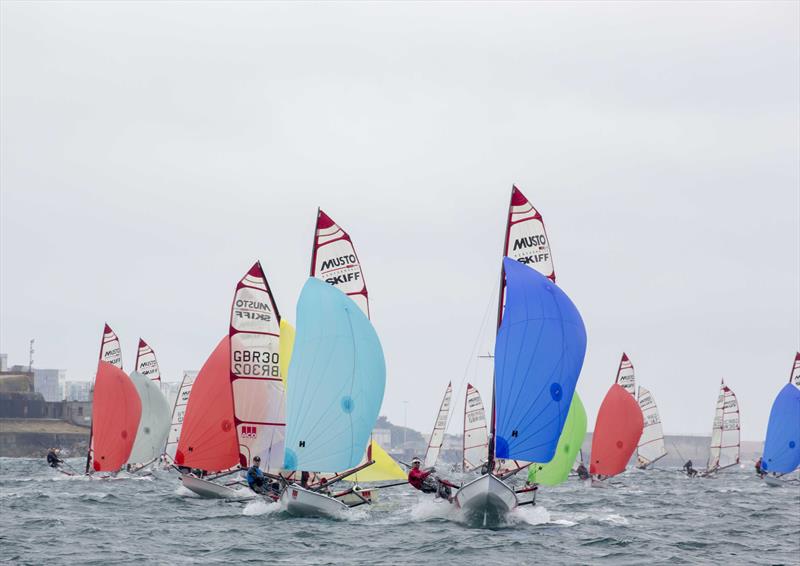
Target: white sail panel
x,y
725,439
110,349
154,423
625,375
795,376
146,362
526,237
258,391
178,411
476,436
437,436
334,260
651,444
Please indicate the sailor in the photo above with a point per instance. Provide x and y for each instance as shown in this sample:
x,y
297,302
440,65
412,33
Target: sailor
x,y
690,471
421,479
583,473
52,458
255,477
759,470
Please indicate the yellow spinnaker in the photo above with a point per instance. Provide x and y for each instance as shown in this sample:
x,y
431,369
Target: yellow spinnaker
x,y
384,468
285,347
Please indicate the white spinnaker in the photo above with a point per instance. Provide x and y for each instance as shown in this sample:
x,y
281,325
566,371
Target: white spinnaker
x,y
476,436
437,436
154,423
651,444
334,260
178,411
725,440
795,377
258,392
146,362
110,349
625,375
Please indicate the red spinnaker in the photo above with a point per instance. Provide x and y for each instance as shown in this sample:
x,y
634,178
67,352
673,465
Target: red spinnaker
x,y
115,419
616,433
208,437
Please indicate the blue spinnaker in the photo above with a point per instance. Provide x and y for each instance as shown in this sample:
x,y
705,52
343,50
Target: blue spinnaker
x,y
782,446
337,376
538,357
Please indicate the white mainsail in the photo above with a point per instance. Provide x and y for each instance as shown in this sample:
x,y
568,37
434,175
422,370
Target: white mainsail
x,y
146,362
795,376
724,451
258,391
625,375
154,423
437,436
110,349
178,410
651,445
476,436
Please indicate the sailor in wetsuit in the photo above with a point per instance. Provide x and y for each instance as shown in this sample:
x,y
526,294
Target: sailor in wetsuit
x,y
422,480
690,471
52,458
583,473
259,483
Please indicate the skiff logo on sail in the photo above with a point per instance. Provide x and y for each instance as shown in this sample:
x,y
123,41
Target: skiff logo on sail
x,y
651,419
249,310
185,394
475,417
249,431
346,260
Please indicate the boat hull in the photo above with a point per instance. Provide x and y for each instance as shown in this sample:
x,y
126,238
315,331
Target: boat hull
x,y
208,489
485,501
773,481
304,503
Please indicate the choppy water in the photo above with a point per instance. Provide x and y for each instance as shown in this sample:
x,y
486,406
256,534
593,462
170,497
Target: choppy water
x,y
654,517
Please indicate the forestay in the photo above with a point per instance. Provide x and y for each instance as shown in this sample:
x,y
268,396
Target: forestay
x,y
616,432
476,435
724,451
439,427
116,410
334,260
258,390
146,363
154,423
651,446
625,375
208,435
557,470
539,353
179,411
336,382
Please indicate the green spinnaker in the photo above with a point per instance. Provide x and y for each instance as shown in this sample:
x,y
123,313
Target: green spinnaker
x,y
557,470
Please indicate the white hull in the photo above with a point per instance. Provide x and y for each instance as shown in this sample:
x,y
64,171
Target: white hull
x,y
211,490
486,500
351,499
304,503
773,481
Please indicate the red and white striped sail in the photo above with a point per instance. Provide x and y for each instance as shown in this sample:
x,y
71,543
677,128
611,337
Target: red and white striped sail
x,y
437,436
146,362
526,237
794,377
110,349
625,375
725,439
651,445
178,411
476,436
258,392
334,260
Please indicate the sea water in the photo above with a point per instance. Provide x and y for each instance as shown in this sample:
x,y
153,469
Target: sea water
x,y
653,517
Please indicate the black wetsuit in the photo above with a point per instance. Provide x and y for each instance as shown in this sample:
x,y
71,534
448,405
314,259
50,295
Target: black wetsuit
x,y
52,459
583,473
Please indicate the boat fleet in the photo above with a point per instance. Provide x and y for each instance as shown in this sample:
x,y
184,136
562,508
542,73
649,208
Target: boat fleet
x,y
302,401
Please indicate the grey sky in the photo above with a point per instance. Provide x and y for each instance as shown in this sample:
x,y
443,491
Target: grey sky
x,y
151,152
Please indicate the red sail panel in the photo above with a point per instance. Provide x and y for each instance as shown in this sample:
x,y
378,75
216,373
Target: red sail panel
x,y
115,418
208,437
616,433
334,260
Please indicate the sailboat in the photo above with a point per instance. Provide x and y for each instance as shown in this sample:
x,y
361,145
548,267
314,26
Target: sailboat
x,y
651,445
178,412
336,382
725,441
154,423
437,435
616,434
782,445
116,410
557,470
476,435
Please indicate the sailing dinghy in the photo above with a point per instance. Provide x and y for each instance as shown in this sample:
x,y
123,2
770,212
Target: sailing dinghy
x,y
437,435
616,434
178,412
725,441
782,445
651,445
336,382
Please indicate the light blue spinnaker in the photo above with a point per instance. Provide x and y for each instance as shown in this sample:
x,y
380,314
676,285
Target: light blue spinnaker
x,y
538,357
782,446
337,376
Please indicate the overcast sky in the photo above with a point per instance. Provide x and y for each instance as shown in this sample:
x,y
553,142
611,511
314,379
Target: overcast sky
x,y
151,152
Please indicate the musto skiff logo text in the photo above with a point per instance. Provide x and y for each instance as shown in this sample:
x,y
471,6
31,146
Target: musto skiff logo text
x,y
252,310
340,270
530,249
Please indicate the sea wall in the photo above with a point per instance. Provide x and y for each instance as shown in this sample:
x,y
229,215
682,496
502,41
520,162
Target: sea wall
x,y
31,438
